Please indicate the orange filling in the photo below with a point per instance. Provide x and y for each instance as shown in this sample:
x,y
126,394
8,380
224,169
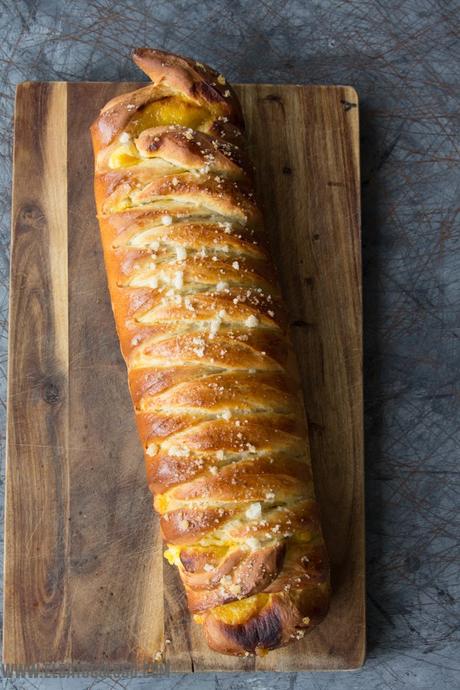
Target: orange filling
x,y
124,156
170,110
238,612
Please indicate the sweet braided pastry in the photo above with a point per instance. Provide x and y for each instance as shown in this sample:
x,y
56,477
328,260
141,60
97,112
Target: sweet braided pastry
x,y
211,371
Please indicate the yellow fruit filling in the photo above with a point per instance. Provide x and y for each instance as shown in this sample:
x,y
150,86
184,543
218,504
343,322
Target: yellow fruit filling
x,y
161,502
172,554
124,156
171,110
238,612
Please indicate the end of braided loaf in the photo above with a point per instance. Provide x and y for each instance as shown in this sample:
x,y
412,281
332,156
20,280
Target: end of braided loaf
x,y
204,335
197,81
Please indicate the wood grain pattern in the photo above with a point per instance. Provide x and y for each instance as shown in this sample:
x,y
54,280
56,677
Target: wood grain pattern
x,y
36,583
86,587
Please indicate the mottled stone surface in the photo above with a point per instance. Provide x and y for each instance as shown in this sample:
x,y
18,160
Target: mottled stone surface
x,y
403,58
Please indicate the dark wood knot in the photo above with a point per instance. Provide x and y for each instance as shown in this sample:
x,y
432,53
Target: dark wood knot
x,y
348,106
30,217
51,393
300,323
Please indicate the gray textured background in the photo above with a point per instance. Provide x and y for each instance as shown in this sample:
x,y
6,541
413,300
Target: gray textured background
x,y
403,58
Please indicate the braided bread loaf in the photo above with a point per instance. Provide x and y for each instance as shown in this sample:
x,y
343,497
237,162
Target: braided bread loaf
x,y
211,372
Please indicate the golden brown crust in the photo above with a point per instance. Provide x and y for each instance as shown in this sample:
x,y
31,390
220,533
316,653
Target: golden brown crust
x,y
211,372
191,78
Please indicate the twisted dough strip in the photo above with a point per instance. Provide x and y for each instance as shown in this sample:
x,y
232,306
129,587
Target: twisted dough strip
x,y
211,372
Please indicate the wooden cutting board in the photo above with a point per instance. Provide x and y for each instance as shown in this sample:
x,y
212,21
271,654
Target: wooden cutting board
x,y
86,587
